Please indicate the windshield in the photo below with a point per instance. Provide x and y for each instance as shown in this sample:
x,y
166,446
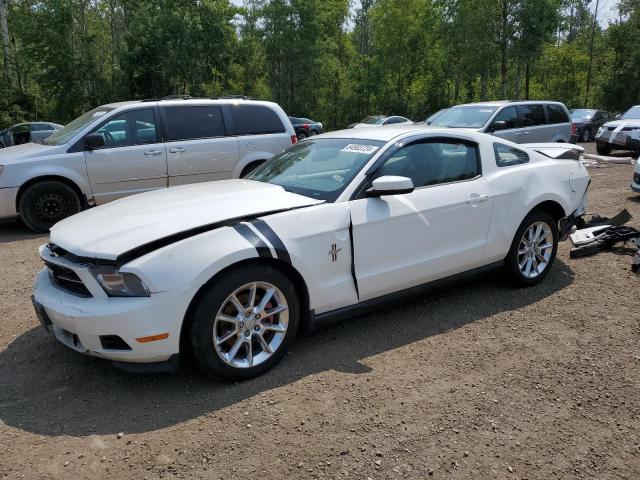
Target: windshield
x,y
464,117
319,168
67,132
374,120
581,113
632,114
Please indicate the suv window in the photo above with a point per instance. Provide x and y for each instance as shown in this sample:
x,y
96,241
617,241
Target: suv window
x,y
507,156
557,114
509,115
255,120
41,127
193,122
531,115
136,127
433,162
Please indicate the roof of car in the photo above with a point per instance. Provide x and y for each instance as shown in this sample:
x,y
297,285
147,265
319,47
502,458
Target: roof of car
x,y
389,132
188,100
499,103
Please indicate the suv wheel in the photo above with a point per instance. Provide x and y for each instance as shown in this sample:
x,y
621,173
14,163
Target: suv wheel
x,y
603,148
302,135
244,322
585,136
45,203
533,249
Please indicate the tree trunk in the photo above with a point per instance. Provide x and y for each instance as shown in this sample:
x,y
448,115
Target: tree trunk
x,y
6,44
483,85
504,41
527,78
518,81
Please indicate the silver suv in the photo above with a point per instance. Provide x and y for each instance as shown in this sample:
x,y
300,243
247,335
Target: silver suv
x,y
517,121
131,147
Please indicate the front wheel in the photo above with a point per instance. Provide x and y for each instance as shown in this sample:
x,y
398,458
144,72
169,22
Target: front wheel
x,y
45,203
244,322
533,249
301,135
603,148
585,136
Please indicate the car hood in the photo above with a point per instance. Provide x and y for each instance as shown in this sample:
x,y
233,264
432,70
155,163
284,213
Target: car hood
x,y
108,231
26,151
624,123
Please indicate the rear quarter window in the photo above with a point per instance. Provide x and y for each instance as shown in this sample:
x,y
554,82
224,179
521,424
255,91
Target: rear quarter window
x,y
255,120
557,114
507,156
531,115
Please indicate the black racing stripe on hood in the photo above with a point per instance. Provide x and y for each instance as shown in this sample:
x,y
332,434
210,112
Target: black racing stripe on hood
x,y
149,247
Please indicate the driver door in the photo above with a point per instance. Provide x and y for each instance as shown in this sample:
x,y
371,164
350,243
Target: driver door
x,y
439,229
133,159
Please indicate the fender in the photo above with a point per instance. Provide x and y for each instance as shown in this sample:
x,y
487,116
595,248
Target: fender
x,y
247,159
74,171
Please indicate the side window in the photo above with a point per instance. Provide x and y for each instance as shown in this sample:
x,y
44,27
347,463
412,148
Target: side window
x,y
115,132
531,115
557,114
142,125
255,120
433,162
509,115
507,156
189,123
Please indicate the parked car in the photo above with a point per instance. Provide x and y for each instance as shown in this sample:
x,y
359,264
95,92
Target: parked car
x,y
306,128
635,183
618,134
132,147
429,120
228,272
520,122
588,121
379,121
27,132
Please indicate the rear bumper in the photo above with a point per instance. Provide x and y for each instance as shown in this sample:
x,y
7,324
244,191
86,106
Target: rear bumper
x,y
8,197
79,322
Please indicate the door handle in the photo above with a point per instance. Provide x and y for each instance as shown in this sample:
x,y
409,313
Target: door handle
x,y
177,150
153,152
473,199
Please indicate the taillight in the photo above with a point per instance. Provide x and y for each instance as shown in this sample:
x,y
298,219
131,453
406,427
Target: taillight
x,y
574,129
294,139
306,125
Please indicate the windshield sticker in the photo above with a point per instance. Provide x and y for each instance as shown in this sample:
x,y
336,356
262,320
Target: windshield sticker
x,y
99,113
485,110
359,148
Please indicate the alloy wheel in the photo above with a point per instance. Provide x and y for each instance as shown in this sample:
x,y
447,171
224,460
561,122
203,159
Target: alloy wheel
x,y
535,249
251,325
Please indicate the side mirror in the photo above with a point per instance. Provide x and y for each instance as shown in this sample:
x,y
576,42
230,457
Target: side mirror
x,y
94,140
390,185
499,125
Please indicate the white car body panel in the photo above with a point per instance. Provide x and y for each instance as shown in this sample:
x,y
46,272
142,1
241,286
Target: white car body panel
x,y
185,236
635,181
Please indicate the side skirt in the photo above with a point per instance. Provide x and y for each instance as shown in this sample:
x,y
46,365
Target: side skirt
x,y
327,318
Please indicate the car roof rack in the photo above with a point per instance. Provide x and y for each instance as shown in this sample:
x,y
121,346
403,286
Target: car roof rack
x,y
231,97
189,97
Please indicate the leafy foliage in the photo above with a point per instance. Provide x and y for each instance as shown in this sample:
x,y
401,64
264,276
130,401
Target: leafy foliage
x,y
325,59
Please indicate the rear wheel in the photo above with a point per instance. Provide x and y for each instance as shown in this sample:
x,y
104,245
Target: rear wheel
x,y
603,148
302,135
585,135
45,203
244,322
533,249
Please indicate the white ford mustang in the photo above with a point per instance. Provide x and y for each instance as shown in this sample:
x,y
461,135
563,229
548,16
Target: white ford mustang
x,y
229,271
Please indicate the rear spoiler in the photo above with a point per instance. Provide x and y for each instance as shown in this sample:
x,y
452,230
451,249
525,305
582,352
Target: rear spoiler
x,y
558,151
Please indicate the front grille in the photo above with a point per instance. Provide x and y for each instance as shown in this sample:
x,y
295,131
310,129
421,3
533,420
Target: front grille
x,y
611,129
67,279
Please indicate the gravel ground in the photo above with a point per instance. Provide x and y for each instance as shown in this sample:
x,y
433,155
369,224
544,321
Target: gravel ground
x,y
475,381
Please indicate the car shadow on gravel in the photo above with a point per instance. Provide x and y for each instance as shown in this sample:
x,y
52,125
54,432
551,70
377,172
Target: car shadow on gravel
x,y
50,390
14,231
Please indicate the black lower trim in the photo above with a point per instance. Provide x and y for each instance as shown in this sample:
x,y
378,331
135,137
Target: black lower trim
x,y
255,240
169,366
272,237
320,320
353,261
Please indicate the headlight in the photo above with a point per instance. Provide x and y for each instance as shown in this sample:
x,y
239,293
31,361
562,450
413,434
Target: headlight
x,y
119,284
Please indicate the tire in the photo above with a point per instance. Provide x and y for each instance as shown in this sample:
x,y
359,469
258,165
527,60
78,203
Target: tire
x,y
301,135
603,148
45,203
220,336
541,257
250,168
585,135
